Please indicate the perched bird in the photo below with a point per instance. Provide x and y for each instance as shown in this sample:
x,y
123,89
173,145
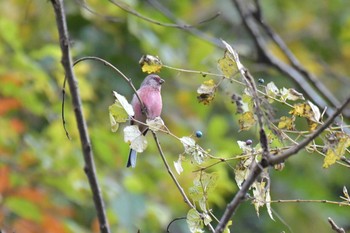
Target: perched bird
x,y
149,93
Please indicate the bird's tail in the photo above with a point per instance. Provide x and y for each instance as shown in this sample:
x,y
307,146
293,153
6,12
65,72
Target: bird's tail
x,y
132,158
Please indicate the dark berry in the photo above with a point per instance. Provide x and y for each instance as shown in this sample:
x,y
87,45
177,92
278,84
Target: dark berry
x,y
199,134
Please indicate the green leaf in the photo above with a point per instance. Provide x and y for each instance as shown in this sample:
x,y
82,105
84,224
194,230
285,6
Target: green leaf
x,y
119,112
23,208
194,221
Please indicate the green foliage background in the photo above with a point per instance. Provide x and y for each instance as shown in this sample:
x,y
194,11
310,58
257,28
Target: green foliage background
x,y
43,187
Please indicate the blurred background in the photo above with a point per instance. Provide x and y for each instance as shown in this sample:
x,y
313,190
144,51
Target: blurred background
x,y
43,187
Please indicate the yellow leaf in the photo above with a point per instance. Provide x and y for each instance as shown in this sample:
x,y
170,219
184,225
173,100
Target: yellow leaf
x,y
206,92
227,65
150,64
246,121
286,123
309,111
335,153
301,109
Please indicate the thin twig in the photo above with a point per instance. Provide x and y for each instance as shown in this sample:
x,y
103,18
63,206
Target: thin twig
x,y
172,221
108,18
257,168
187,201
265,55
293,150
239,197
322,89
194,31
62,108
128,80
130,10
67,64
338,203
335,227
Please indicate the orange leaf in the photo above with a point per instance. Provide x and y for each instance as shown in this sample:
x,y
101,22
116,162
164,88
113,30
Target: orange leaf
x,y
17,125
8,104
26,226
4,179
31,194
51,224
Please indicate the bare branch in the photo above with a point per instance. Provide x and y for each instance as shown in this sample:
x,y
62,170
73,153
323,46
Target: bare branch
x,y
128,80
128,9
293,150
335,227
323,90
67,64
239,197
295,72
188,202
194,31
257,168
85,6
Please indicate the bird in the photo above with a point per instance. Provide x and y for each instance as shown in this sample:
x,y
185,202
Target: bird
x,y
150,95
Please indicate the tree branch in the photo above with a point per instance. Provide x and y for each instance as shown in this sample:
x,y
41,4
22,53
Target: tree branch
x,y
188,202
296,72
84,136
293,150
335,227
257,168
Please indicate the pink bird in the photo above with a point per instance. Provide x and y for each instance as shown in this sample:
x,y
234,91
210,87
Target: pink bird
x,y
149,93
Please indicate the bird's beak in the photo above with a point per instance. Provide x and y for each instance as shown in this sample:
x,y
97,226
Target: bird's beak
x,y
161,81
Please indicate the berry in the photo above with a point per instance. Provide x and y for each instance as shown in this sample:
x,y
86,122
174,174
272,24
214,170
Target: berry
x,y
248,142
199,134
261,80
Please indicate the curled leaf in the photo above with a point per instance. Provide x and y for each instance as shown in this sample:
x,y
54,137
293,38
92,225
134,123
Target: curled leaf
x,y
316,114
291,94
206,92
150,64
114,123
124,104
178,165
155,124
271,90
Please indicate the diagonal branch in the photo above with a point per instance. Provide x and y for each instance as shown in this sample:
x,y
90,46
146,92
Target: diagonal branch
x,y
188,202
323,90
257,168
304,80
82,127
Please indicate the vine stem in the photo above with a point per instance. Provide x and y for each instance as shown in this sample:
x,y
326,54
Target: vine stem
x,y
67,64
